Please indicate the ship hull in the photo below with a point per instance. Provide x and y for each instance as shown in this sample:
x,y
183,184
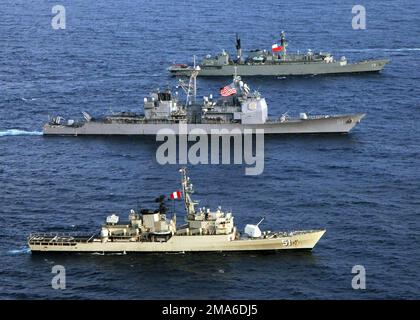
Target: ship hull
x,y
208,243
329,124
284,69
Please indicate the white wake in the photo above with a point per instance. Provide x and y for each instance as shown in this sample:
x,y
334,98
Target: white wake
x,y
381,50
23,250
17,132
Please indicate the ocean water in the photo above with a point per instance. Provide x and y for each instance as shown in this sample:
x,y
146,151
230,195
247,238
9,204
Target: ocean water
x,y
363,188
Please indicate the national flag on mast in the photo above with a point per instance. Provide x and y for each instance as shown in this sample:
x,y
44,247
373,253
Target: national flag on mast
x,y
228,90
276,48
175,195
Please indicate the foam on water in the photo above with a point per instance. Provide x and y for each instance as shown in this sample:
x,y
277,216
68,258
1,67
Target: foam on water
x,y
381,50
23,250
17,132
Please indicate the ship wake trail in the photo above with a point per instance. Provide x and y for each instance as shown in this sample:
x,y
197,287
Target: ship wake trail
x,y
23,250
17,132
381,50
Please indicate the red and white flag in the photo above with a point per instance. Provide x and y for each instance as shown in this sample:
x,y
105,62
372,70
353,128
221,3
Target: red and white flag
x,y
276,48
175,195
228,90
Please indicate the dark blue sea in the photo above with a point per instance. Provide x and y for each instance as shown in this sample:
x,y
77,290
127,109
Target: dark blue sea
x,y
364,188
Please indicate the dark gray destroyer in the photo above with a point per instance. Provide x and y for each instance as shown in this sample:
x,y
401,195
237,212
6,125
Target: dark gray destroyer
x,y
276,62
237,110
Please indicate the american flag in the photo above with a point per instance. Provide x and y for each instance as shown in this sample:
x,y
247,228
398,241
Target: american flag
x,y
228,90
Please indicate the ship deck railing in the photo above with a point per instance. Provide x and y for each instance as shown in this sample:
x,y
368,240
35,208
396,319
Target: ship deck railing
x,y
309,117
57,238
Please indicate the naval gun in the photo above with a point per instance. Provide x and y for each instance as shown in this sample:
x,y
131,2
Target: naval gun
x,y
253,230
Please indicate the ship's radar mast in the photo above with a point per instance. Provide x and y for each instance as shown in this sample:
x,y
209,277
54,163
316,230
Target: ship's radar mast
x,y
283,43
238,48
191,89
187,189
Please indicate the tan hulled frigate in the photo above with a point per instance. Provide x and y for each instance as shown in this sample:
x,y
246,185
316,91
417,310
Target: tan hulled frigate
x,y
151,231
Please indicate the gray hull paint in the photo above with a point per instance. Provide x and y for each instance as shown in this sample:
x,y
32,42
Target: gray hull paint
x,y
287,69
332,124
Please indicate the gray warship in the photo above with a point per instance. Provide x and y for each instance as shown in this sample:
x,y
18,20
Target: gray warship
x,y
236,110
148,230
276,62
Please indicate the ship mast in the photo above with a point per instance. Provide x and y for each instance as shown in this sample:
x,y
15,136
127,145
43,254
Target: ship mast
x,y
193,78
191,89
186,191
283,44
238,48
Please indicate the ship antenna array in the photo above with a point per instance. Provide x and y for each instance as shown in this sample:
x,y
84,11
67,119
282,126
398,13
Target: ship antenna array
x,y
283,43
186,190
190,89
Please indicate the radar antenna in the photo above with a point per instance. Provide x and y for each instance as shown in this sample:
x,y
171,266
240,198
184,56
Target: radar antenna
x,y
283,43
191,89
187,189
